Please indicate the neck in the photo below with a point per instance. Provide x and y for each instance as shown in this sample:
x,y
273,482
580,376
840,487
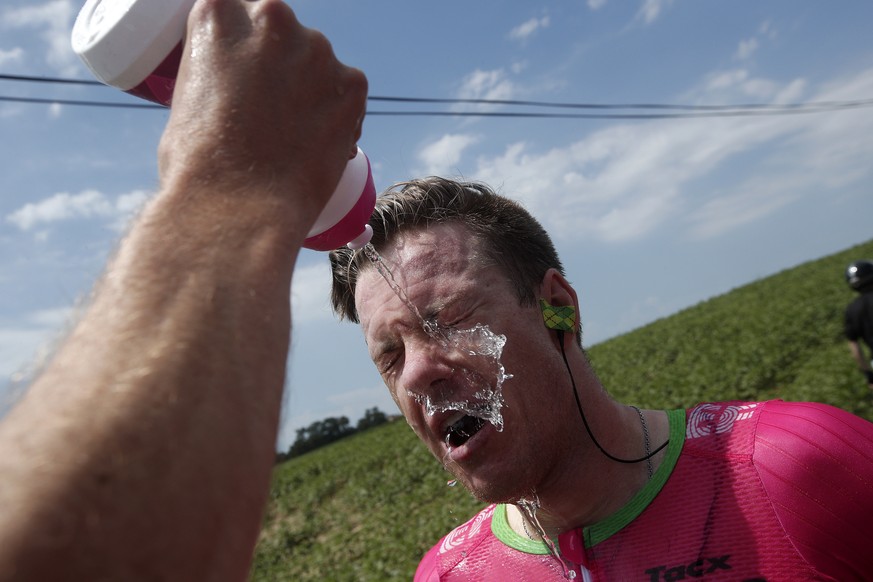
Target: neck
x,y
574,499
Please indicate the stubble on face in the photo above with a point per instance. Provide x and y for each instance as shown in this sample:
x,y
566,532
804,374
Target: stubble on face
x,y
436,266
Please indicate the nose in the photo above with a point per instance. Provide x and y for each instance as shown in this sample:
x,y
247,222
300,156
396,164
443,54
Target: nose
x,y
427,366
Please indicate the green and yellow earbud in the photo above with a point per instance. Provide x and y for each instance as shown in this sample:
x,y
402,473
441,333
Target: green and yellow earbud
x,y
561,318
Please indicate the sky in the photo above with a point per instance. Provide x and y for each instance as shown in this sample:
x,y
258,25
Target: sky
x,y
650,216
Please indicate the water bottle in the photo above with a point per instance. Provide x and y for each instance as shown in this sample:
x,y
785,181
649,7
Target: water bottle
x,y
136,46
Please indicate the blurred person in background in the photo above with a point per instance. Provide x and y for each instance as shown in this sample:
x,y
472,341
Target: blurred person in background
x,y
859,316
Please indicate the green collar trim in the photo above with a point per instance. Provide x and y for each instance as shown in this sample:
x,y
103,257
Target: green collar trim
x,y
602,530
501,530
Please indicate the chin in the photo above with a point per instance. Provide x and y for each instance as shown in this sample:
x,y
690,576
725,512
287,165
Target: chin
x,y
501,491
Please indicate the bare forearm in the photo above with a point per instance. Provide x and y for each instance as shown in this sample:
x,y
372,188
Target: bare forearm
x,y
144,450
858,354
161,408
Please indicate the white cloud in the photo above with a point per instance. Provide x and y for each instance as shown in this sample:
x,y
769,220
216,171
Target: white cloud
x,y
726,79
596,4
723,86
442,156
486,85
626,181
725,213
62,206
12,56
88,204
611,186
518,67
651,10
746,49
127,206
491,85
55,20
310,293
524,31
766,30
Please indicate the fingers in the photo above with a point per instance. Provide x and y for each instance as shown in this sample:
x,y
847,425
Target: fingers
x,y
262,41
262,96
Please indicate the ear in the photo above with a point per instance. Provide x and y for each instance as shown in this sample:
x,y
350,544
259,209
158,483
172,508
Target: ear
x,y
557,299
557,290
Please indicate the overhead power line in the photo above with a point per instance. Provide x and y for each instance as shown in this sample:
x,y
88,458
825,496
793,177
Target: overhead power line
x,y
755,106
725,112
674,111
33,79
50,101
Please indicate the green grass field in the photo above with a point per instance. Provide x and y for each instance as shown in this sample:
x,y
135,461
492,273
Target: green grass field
x,y
368,507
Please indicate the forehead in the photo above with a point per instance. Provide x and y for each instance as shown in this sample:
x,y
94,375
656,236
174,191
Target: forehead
x,y
426,264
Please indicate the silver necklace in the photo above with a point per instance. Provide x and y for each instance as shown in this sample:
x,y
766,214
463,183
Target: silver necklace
x,y
524,525
648,444
649,468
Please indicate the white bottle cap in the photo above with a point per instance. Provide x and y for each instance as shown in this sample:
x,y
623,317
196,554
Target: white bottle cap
x,y
362,238
124,41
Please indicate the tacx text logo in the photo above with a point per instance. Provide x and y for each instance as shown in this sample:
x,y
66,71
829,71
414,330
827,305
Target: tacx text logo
x,y
696,569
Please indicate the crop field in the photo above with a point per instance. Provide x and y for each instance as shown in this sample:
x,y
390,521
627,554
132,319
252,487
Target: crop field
x,y
366,508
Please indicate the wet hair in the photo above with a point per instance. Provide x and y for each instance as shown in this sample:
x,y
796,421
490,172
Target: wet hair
x,y
510,237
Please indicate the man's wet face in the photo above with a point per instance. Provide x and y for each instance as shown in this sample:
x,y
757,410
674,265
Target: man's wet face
x,y
449,392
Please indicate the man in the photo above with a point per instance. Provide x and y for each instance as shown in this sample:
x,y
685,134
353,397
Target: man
x,y
145,448
580,485
859,316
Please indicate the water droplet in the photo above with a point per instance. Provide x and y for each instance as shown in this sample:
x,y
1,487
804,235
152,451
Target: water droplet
x,y
529,509
476,351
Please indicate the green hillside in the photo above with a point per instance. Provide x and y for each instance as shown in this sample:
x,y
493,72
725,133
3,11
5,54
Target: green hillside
x,y
368,507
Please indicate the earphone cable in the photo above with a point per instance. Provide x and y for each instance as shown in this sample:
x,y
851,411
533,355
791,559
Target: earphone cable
x,y
585,420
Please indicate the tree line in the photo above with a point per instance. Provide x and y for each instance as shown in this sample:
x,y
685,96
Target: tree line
x,y
329,430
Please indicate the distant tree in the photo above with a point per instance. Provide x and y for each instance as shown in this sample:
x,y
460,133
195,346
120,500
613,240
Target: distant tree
x,y
320,433
324,432
372,417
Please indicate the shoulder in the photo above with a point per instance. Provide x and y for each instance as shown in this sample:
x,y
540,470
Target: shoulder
x,y
860,306
808,445
785,440
454,547
815,463
812,429
793,424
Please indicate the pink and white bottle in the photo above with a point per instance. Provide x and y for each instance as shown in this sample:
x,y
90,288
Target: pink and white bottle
x,y
136,46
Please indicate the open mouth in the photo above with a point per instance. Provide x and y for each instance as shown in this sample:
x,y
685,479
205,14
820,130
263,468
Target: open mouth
x,y
463,430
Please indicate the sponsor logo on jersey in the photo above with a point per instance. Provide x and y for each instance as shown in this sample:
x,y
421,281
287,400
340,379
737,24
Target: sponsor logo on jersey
x,y
462,533
696,569
709,419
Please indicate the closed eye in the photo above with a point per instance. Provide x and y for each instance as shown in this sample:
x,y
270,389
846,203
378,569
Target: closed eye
x,y
386,361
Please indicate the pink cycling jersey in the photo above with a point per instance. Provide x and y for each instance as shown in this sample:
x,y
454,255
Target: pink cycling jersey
x,y
769,491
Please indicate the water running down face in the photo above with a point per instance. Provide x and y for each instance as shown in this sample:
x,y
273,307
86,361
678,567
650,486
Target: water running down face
x,y
468,345
447,376
480,376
